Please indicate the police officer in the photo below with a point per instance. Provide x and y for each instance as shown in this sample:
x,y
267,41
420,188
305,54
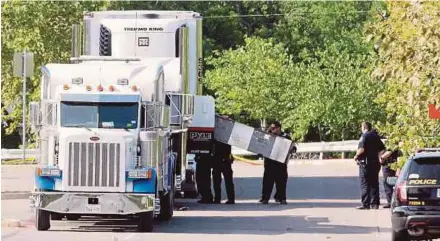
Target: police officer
x,y
275,172
222,164
203,178
367,156
389,157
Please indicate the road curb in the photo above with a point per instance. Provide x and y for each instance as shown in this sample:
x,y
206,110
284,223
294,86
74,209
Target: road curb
x,y
15,195
11,223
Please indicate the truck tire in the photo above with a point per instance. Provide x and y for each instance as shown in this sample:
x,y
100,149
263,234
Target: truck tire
x,y
56,216
167,204
145,223
400,236
42,220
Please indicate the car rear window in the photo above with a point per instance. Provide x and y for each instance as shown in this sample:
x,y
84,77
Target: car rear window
x,y
426,168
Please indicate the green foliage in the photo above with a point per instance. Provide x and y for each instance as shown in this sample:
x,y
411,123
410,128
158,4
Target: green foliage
x,y
43,28
313,26
334,93
409,70
250,78
222,28
332,90
310,68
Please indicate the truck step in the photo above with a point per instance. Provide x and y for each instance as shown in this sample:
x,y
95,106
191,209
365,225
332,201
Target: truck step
x,y
178,183
156,206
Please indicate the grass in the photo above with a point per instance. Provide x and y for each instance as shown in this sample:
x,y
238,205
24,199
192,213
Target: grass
x,y
27,161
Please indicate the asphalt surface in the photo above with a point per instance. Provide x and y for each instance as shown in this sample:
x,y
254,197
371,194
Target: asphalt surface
x,y
322,196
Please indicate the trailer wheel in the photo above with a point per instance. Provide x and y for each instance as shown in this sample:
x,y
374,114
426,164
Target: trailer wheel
x,y
145,222
42,220
167,204
56,216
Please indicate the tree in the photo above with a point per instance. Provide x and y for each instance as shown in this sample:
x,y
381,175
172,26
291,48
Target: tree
x,y
331,88
334,94
250,78
43,28
409,71
308,27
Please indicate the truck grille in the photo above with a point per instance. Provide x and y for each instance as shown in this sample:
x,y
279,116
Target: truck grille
x,y
94,164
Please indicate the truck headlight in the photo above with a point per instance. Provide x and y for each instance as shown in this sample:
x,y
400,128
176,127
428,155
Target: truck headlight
x,y
48,172
140,174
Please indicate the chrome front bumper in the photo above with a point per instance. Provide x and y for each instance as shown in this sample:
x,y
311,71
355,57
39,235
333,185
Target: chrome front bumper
x,y
108,203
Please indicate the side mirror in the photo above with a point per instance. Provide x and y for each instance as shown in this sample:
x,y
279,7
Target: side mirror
x,y
391,181
35,115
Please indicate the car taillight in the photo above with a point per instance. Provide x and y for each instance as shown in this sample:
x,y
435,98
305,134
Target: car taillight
x,y
401,192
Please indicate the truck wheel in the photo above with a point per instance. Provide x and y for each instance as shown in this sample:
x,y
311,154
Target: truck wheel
x,y
56,216
145,222
73,217
167,205
400,236
42,220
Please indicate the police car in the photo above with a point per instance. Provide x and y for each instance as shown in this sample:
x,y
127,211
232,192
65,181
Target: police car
x,y
415,205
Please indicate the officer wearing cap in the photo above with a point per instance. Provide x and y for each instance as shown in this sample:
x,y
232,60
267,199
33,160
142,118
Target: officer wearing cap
x,y
275,172
386,159
367,156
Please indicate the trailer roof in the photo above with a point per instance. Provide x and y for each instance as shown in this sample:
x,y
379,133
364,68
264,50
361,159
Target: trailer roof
x,y
144,14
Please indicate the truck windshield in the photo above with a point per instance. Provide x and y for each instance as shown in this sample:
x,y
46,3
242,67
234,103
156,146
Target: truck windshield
x,y
99,115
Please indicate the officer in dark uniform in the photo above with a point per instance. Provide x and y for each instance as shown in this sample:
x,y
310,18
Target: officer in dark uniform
x,y
275,172
203,178
388,158
222,164
369,150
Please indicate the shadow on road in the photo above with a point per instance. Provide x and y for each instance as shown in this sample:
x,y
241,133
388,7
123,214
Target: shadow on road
x,y
272,206
91,224
225,225
253,224
302,188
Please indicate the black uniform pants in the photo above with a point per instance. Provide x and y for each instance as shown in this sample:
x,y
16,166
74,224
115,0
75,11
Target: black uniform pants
x,y
203,179
388,172
224,168
274,172
369,177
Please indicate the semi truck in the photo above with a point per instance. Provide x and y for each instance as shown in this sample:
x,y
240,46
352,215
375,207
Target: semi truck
x,y
119,127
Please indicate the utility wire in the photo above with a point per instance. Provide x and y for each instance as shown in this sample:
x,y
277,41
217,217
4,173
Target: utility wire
x,y
280,14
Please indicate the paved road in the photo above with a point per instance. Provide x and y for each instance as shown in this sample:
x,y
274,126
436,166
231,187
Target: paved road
x,y
321,195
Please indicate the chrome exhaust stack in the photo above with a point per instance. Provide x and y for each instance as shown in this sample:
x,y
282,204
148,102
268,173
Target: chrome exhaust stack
x,y
76,40
199,51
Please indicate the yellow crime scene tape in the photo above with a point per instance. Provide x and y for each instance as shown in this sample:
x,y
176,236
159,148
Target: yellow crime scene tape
x,y
252,162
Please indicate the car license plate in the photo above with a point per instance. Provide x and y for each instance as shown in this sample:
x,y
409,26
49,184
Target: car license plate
x,y
93,208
